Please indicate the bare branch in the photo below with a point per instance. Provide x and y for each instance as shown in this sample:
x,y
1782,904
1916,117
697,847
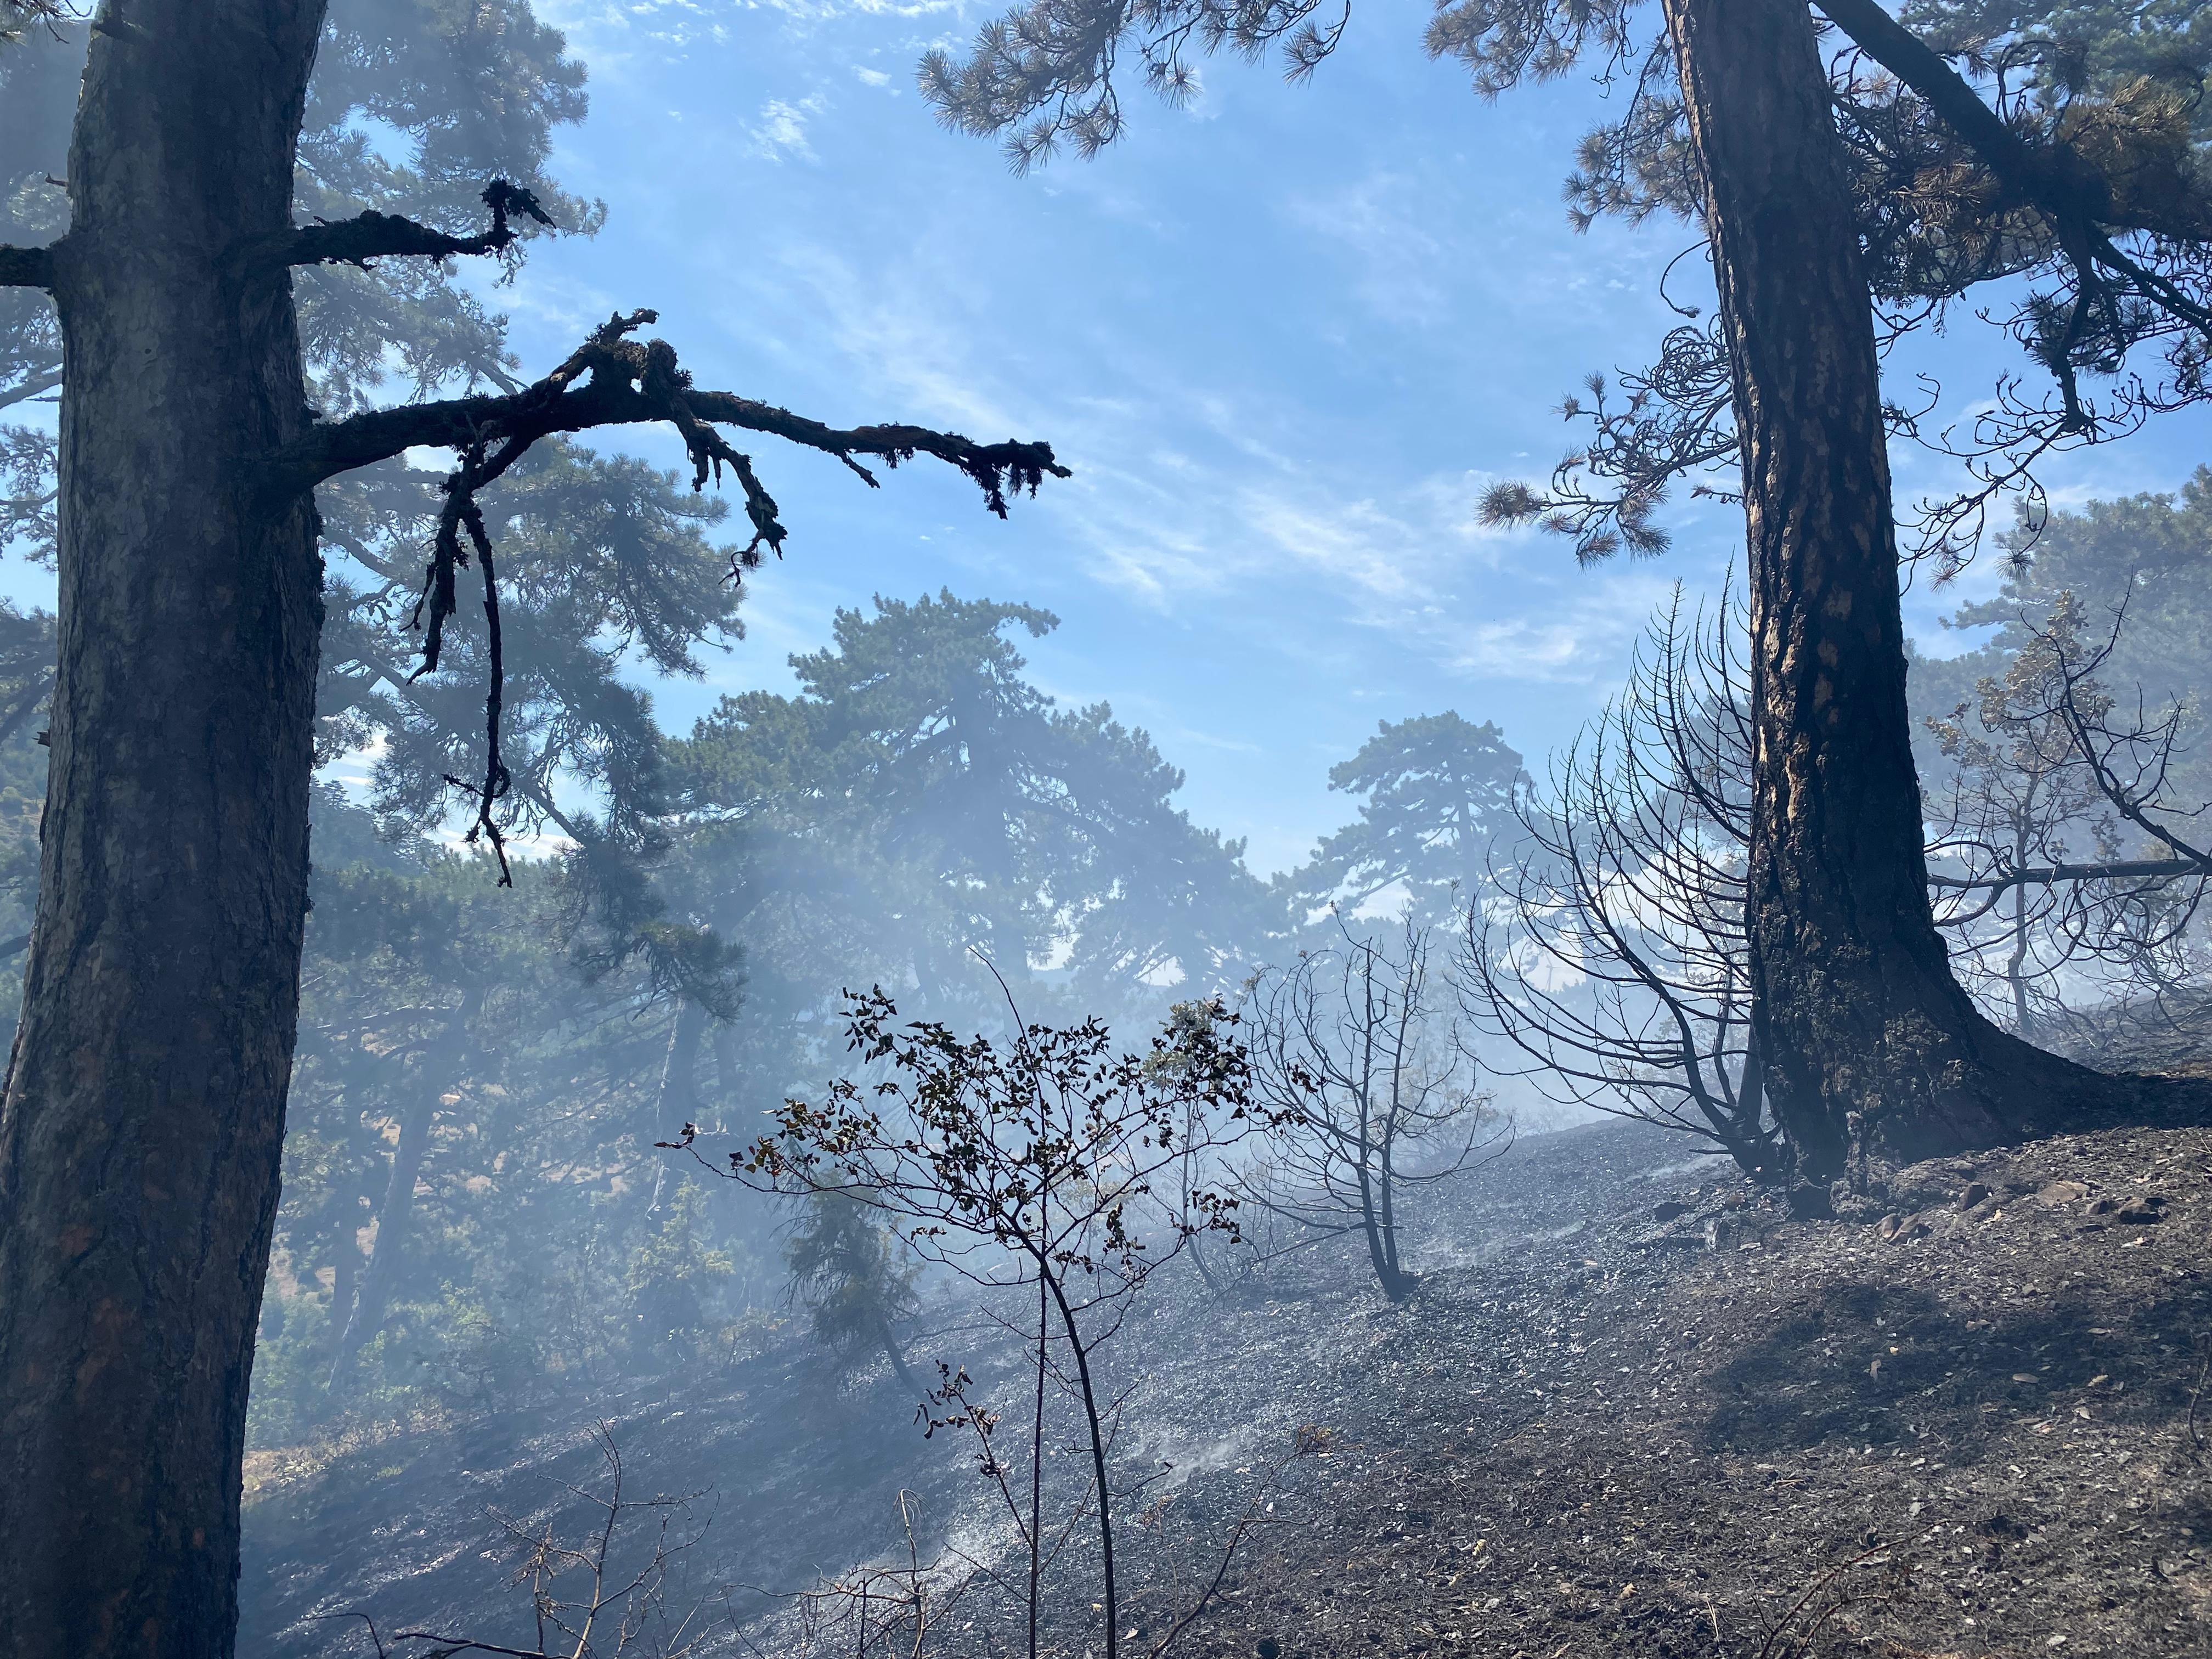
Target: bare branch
x,y
611,380
2051,875
374,235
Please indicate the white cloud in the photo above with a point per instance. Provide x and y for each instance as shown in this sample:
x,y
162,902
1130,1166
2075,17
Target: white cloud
x,y
1578,639
906,345
779,132
610,35
871,76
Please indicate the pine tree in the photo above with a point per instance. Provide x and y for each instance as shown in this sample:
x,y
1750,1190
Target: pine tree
x,y
1439,795
1895,168
141,1129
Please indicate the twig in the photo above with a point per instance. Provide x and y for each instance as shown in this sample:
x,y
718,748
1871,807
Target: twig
x,y
1306,1441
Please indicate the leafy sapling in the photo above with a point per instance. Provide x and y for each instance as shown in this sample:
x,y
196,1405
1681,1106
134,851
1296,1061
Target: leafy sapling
x,y
1043,1160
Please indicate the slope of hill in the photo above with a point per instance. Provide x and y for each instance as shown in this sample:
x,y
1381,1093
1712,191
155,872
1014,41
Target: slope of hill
x,y
1963,1418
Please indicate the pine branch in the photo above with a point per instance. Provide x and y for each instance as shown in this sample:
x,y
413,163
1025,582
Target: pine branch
x,y
2054,177
24,391
27,267
374,235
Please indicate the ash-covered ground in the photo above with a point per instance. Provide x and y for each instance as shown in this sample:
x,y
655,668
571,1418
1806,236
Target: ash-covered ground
x,y
1962,1420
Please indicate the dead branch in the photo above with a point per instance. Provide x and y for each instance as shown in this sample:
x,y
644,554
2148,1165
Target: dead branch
x,y
1310,1440
1826,1598
612,380
374,235
1615,959
461,512
2054,874
2053,756
886,1609
616,1614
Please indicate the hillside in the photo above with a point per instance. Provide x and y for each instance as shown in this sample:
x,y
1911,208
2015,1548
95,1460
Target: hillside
x,y
1962,1420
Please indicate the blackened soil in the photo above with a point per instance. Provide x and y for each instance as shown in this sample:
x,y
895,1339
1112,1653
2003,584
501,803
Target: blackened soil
x,y
1971,1436
1962,1421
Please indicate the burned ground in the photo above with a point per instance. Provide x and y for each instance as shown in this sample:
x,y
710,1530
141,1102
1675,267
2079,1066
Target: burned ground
x,y
1960,1421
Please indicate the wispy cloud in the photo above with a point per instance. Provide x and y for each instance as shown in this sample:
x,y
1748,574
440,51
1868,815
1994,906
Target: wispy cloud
x,y
1383,221
1187,496
1575,632
779,132
612,33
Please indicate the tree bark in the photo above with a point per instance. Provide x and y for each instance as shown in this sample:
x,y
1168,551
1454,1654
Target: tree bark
x,y
345,1269
727,1079
144,1103
1870,1043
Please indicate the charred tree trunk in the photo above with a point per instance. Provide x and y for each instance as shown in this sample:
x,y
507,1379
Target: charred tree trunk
x,y
392,1217
1397,1283
144,1104
1376,1222
1869,1041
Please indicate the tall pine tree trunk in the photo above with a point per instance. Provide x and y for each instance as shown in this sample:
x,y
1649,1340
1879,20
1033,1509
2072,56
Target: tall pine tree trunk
x,y
344,1269
1869,1041
144,1104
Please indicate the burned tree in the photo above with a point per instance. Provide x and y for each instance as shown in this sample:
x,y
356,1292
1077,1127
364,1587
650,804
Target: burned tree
x,y
1869,1039
143,1110
1821,188
1372,1091
2048,764
1612,954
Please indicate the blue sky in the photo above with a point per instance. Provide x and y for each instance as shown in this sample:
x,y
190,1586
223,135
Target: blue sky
x,y
1283,337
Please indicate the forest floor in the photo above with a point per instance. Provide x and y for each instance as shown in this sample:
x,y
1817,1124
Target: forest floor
x,y
1963,1421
